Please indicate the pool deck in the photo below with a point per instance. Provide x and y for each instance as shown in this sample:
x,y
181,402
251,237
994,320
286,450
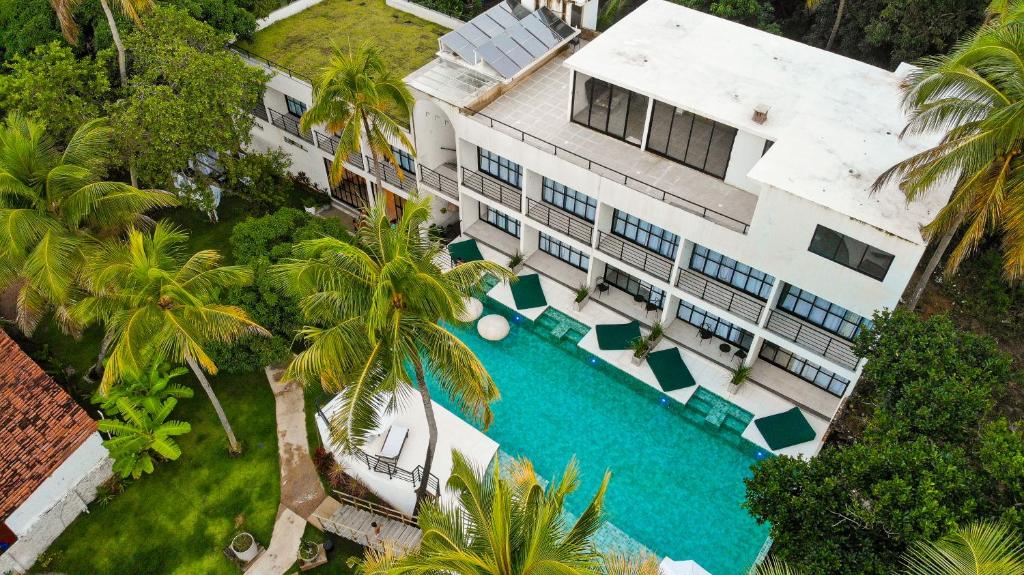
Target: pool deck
x,y
708,374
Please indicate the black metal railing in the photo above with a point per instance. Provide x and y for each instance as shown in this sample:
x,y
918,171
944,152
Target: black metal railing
x,y
634,255
721,295
260,111
617,176
504,194
393,471
327,142
390,175
289,124
560,220
439,182
265,63
813,338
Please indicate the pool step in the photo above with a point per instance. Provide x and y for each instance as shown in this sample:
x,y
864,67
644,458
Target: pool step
x,y
716,417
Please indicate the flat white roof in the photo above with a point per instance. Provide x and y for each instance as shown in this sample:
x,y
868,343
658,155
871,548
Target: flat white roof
x,y
835,121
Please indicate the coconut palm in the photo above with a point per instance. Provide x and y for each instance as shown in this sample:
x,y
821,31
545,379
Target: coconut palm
x,y
131,8
375,314
506,523
141,430
975,95
978,549
358,96
840,9
52,203
154,301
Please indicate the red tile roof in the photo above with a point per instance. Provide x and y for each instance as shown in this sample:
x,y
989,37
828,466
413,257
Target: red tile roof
x,y
40,426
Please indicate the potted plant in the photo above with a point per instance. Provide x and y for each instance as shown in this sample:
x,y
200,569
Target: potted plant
x,y
244,547
656,332
515,263
739,376
641,347
582,295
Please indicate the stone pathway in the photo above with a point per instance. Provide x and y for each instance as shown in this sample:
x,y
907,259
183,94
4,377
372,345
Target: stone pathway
x,y
301,490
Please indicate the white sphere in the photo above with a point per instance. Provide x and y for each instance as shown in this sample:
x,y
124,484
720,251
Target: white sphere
x,y
493,327
473,310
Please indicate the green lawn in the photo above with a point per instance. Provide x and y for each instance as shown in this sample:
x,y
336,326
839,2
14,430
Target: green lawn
x,y
337,561
303,42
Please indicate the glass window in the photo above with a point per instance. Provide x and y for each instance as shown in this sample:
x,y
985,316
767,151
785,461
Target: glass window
x,y
722,329
804,369
564,252
295,107
692,140
851,253
569,200
729,271
821,312
498,167
500,220
609,109
634,286
350,190
645,234
405,160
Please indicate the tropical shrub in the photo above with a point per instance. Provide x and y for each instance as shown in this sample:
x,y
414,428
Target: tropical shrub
x,y
261,178
149,386
141,435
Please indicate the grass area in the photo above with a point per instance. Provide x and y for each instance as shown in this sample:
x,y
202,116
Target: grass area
x,y
337,560
304,42
177,520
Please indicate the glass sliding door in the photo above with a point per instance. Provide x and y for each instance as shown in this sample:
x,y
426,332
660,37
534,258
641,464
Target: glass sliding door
x,y
691,140
609,109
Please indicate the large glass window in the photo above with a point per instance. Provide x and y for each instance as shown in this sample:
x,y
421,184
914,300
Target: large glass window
x,y
645,234
350,190
569,200
821,312
851,253
634,286
729,271
722,329
498,167
405,160
692,140
295,107
500,220
805,370
609,109
564,252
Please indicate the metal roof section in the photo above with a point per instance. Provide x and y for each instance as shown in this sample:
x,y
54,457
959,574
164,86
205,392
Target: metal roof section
x,y
507,37
451,82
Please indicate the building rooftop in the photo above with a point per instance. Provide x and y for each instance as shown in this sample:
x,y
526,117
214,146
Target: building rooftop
x,y
41,426
835,121
303,43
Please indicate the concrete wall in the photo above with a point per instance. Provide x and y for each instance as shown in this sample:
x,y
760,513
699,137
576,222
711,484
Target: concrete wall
x,y
284,12
56,503
425,13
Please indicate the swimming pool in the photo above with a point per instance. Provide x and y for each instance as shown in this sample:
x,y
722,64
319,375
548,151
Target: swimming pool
x,y
677,484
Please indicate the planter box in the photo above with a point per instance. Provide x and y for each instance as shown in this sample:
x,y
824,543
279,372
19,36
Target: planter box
x,y
578,305
518,268
637,360
248,554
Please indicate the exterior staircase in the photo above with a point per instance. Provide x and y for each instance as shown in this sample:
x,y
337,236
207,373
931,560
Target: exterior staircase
x,y
353,519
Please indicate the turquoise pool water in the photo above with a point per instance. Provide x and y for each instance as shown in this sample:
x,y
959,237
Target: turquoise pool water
x,y
677,482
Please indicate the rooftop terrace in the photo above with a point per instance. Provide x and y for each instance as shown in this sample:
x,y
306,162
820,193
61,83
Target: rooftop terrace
x,y
303,43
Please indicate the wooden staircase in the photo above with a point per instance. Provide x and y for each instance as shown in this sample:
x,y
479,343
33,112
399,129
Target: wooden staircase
x,y
354,520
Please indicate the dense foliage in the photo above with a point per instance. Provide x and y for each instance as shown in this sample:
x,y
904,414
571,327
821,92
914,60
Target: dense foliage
x,y
756,13
226,16
461,9
929,458
260,178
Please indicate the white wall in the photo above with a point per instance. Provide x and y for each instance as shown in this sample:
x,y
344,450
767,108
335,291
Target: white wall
x,y
425,13
285,12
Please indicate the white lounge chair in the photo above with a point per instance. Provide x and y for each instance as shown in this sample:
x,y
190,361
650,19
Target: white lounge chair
x,y
393,443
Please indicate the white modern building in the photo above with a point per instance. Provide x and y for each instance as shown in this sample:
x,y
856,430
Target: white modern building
x,y
688,169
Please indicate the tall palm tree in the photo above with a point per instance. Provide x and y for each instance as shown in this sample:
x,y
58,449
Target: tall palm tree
x,y
140,430
358,96
840,9
975,95
374,314
505,523
131,8
153,301
52,203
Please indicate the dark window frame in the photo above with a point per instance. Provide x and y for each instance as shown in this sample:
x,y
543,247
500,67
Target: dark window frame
x,y
817,247
770,352
817,303
404,160
734,334
726,263
552,192
624,217
289,102
689,140
488,158
485,213
561,247
654,294
590,109
345,190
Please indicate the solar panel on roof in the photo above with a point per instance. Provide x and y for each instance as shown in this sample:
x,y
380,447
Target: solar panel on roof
x,y
500,62
539,30
514,51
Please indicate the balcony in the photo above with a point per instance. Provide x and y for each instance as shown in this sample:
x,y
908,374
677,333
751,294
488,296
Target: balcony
x,y
813,338
724,297
560,220
289,124
260,111
329,144
407,181
634,255
447,185
489,187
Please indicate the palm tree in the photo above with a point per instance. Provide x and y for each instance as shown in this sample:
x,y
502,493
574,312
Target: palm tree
x,y
978,549
840,9
149,387
505,523
374,313
976,95
155,302
131,8
142,428
51,203
359,96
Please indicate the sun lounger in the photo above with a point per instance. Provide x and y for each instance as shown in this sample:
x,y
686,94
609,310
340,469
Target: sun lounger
x,y
393,443
670,370
617,336
465,251
527,292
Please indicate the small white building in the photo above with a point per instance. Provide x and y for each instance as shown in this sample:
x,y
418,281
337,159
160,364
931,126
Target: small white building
x,y
52,459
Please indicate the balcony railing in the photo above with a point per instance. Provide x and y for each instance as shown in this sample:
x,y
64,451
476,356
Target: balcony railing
x,y
491,188
721,295
616,176
556,219
439,182
289,124
327,143
813,338
260,111
390,175
393,471
636,256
